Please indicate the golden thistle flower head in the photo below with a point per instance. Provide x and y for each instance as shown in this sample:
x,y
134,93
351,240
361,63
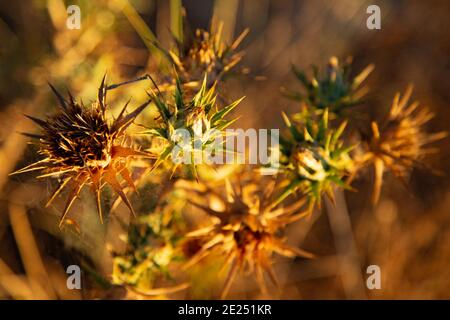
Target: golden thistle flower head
x,y
400,142
80,147
205,53
245,225
335,89
314,158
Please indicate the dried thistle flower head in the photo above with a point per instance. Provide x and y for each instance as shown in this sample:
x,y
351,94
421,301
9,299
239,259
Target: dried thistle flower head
x,y
80,147
245,225
400,142
333,89
187,127
314,158
205,53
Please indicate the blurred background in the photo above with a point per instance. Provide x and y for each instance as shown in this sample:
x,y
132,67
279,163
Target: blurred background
x,y
407,234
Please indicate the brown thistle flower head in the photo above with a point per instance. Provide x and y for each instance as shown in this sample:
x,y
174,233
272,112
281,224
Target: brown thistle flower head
x,y
205,53
245,225
400,142
80,147
333,89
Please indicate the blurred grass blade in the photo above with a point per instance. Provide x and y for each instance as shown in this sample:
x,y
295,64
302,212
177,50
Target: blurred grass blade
x,y
147,36
225,11
176,19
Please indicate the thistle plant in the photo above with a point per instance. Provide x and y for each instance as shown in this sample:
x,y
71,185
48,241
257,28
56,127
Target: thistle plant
x,y
81,147
400,142
204,52
152,249
187,128
245,225
314,158
240,218
335,89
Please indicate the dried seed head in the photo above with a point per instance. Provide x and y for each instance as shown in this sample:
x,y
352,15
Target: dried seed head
x,y
400,142
80,148
205,53
245,226
77,137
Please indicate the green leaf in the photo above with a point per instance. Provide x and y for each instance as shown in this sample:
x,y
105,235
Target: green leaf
x,y
178,95
162,108
157,132
223,112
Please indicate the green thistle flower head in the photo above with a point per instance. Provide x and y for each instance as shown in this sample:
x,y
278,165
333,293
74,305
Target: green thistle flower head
x,y
314,158
189,128
333,89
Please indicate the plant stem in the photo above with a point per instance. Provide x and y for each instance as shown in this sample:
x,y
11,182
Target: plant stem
x,y
350,269
225,12
176,19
